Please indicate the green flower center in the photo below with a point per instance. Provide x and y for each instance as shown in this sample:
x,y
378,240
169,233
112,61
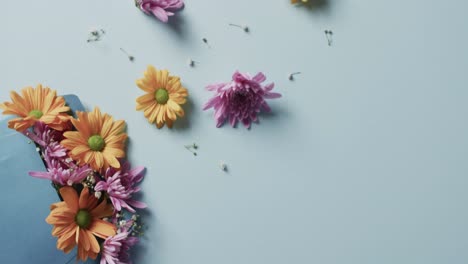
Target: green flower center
x,y
36,114
162,96
83,218
96,143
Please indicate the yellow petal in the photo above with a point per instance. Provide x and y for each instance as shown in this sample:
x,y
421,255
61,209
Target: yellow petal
x,y
70,197
154,114
75,136
179,111
113,162
102,210
148,111
144,86
107,126
164,78
94,244
99,159
116,152
102,228
146,98
84,240
80,150
161,114
84,197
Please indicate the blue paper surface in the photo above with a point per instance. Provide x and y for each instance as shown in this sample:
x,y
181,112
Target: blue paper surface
x,y
25,236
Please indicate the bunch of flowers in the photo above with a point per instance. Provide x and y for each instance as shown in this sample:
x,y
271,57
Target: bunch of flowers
x,y
84,158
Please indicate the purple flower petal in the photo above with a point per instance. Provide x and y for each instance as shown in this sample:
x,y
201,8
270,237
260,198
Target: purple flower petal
x,y
269,87
160,14
220,122
211,103
233,120
137,204
215,86
265,107
259,78
40,175
272,95
246,123
220,111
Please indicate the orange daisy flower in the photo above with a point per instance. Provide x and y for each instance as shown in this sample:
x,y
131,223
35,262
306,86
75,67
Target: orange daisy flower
x,y
165,94
98,141
40,104
78,220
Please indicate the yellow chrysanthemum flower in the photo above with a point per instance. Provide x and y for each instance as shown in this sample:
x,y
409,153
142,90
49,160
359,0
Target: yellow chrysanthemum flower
x,y
40,104
165,94
78,221
98,140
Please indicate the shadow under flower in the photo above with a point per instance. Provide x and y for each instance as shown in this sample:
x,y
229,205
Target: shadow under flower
x,y
184,122
138,251
317,6
278,112
177,24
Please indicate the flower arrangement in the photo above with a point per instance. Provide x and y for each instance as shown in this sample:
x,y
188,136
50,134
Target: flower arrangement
x,y
161,9
241,99
84,158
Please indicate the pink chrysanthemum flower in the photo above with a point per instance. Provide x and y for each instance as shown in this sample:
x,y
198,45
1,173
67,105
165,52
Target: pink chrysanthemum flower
x,y
162,9
120,186
60,174
241,99
55,150
116,249
43,135
48,140
60,170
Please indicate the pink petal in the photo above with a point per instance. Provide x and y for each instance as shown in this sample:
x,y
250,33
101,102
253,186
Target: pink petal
x,y
266,107
137,204
233,120
260,77
137,170
272,95
160,14
220,122
246,122
220,111
239,77
41,175
269,87
212,102
216,86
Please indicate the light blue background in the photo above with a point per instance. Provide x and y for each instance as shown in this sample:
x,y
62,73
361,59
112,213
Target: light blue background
x,y
363,160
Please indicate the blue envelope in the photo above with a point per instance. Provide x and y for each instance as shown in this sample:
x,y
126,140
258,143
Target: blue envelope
x,y
25,237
